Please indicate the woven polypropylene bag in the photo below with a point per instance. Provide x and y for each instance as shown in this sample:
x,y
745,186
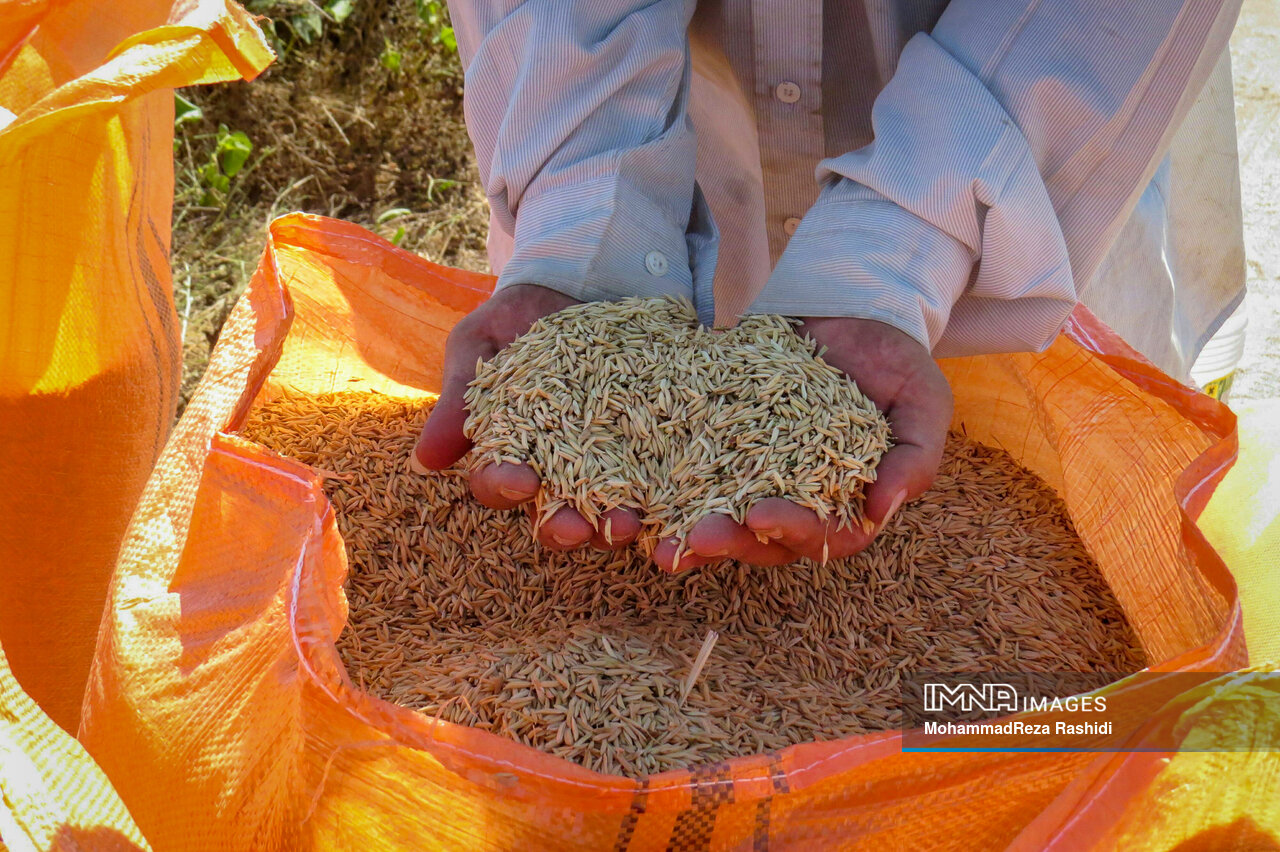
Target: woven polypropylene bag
x,y
221,710
1243,524
90,355
1219,792
53,798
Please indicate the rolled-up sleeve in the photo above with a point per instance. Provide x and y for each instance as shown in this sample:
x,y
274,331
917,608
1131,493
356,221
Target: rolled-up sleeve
x,y
578,114
1009,147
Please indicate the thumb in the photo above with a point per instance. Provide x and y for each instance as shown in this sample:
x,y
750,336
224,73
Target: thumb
x,y
905,472
442,441
919,418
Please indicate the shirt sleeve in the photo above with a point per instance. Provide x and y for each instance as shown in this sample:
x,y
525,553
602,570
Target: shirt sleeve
x,y
578,114
1009,147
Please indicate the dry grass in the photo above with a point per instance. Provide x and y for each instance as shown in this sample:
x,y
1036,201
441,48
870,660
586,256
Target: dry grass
x,y
634,403
456,611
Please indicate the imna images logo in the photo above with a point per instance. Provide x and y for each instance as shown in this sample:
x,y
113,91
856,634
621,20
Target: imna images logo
x,y
968,697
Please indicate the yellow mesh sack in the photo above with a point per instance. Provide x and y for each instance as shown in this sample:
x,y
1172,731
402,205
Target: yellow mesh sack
x,y
53,797
90,355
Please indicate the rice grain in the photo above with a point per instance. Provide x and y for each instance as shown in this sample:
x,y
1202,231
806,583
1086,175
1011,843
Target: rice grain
x,y
456,611
634,404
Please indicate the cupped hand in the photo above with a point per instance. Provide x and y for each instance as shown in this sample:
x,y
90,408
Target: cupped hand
x,y
902,379
479,336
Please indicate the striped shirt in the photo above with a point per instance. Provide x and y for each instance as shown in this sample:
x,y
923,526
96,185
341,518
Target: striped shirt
x,y
965,171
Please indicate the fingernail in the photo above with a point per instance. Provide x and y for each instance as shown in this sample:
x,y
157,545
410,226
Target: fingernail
x,y
723,551
514,494
773,533
563,541
898,500
415,465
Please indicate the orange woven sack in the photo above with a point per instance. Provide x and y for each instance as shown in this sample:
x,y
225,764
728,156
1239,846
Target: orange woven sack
x,y
220,709
90,355
53,798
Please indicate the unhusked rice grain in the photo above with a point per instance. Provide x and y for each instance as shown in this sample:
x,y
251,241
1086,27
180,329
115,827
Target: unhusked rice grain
x,y
635,404
456,611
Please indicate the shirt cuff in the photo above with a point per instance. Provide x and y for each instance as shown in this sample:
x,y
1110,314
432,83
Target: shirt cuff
x,y
599,240
942,227
858,254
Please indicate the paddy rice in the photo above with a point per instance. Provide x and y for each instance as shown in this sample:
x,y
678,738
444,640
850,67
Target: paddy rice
x,y
457,612
635,404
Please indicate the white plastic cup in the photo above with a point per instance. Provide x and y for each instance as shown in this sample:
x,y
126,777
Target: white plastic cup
x,y
1215,368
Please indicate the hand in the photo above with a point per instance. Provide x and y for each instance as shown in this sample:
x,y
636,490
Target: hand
x,y
901,378
481,335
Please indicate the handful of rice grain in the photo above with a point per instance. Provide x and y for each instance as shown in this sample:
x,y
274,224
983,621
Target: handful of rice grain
x,y
635,404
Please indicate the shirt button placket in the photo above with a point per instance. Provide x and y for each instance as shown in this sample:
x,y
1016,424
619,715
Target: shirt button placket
x,y
787,43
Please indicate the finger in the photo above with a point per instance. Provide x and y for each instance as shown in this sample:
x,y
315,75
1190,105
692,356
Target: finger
x,y
919,418
504,485
669,550
617,529
442,441
897,478
802,531
565,530
719,536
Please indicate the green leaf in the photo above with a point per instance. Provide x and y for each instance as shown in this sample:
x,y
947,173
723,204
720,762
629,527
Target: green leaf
x,y
434,184
428,11
184,110
340,10
307,26
212,177
233,150
393,213
400,232
390,58
448,39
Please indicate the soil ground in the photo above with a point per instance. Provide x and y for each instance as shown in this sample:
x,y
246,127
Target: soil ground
x,y
362,123
1255,60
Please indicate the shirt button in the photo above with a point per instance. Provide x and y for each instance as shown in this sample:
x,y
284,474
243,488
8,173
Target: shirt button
x,y
787,92
656,263
790,225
